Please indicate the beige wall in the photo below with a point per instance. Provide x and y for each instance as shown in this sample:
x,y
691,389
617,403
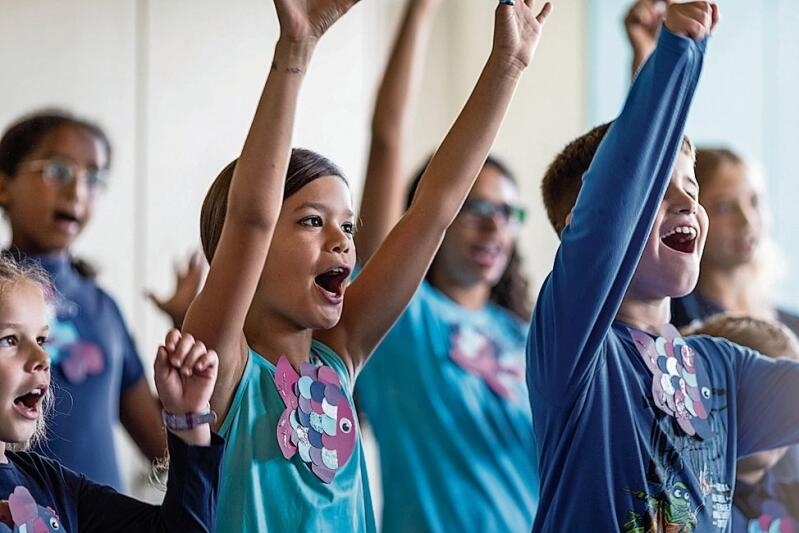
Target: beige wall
x,y
175,83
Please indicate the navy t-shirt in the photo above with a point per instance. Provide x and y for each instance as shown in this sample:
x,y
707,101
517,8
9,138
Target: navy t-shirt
x,y
38,495
94,361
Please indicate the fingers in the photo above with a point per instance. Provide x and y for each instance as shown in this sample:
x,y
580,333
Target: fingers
x,y
544,13
161,366
189,364
172,338
694,20
715,16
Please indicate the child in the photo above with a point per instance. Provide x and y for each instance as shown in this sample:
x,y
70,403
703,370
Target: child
x,y
639,429
52,168
763,502
273,303
444,391
733,275
39,494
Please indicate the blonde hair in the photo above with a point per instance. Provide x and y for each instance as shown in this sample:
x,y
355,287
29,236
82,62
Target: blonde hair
x,y
768,337
13,272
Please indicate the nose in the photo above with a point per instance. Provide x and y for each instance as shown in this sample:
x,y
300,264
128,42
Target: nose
x,y
38,359
78,188
340,241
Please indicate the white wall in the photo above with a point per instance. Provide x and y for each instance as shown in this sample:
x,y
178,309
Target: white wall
x,y
175,83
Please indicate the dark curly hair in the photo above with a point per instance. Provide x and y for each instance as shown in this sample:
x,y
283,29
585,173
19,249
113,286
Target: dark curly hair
x,y
512,290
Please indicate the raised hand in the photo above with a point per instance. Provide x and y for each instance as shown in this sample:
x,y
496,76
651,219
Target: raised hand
x,y
302,20
188,278
517,30
642,23
694,19
185,373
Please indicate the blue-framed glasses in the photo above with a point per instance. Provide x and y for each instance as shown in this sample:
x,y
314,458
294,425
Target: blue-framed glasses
x,y
478,210
60,172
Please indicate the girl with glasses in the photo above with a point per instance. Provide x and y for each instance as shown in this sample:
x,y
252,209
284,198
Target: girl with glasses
x,y
52,168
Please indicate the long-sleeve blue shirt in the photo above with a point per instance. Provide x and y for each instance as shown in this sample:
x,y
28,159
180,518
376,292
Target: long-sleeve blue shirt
x,y
638,433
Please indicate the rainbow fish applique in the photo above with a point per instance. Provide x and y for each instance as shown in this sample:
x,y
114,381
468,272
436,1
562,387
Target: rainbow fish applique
x,y
25,516
318,422
77,359
478,354
679,382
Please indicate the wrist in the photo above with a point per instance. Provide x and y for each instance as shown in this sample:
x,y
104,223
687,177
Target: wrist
x,y
292,54
178,422
501,64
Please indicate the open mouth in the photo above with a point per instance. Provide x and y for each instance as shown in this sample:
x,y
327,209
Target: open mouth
x,y
65,216
29,402
681,239
333,281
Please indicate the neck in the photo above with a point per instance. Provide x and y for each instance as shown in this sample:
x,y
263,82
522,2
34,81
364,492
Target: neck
x,y
736,290
646,315
472,296
28,250
271,336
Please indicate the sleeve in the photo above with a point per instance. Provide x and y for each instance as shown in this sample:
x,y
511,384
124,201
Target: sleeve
x,y
611,221
765,386
189,504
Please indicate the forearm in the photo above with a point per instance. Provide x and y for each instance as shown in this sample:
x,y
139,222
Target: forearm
x,y
256,191
383,195
451,173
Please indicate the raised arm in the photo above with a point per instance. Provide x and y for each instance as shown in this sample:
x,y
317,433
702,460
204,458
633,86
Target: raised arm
x,y
382,201
389,280
256,192
611,221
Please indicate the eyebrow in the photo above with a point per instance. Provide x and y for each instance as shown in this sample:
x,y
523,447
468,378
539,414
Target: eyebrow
x,y
322,207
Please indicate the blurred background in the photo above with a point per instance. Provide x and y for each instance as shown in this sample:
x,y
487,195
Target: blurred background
x,y
175,82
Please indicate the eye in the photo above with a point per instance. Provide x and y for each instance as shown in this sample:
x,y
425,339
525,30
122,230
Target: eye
x,y
345,425
349,228
8,340
313,221
59,171
96,178
54,524
42,341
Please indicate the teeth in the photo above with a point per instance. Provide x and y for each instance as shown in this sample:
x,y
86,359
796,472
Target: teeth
x,y
682,230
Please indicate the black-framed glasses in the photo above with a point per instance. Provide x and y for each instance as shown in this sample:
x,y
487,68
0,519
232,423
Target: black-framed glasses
x,y
478,210
60,172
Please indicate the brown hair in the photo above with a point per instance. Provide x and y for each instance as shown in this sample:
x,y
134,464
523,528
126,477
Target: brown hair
x,y
564,177
27,133
708,161
304,167
768,337
13,272
512,290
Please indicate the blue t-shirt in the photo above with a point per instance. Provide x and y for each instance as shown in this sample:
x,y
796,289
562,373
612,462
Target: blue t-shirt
x,y
639,433
264,490
445,395
94,361
38,495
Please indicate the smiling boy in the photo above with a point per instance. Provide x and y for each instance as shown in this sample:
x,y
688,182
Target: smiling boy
x,y
638,428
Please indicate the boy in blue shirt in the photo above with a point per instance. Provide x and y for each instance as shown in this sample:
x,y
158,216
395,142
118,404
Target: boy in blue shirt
x,y
639,429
